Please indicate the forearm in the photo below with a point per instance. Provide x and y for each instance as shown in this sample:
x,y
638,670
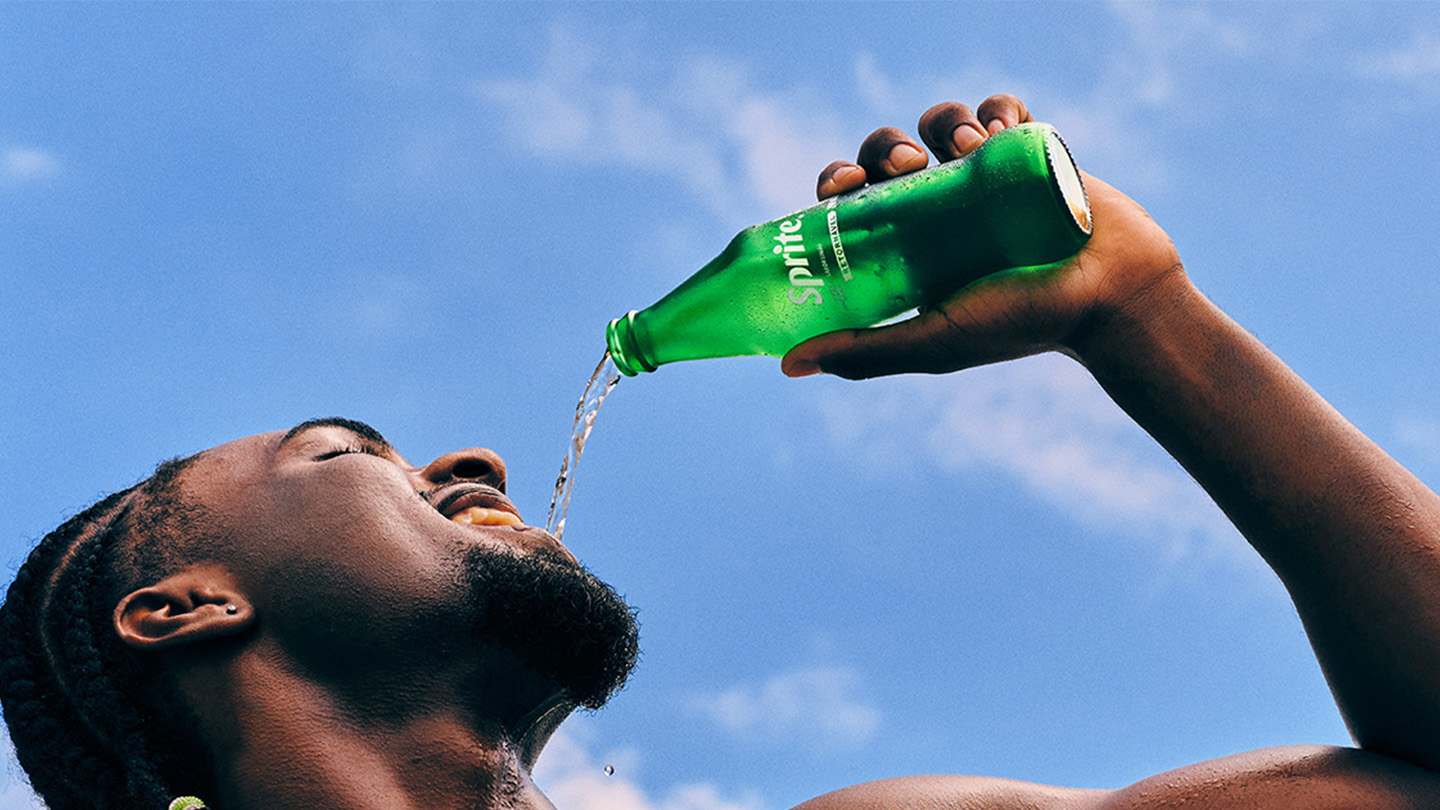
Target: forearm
x,y
1352,534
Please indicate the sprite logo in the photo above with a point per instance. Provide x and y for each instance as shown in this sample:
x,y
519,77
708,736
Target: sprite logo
x,y
804,285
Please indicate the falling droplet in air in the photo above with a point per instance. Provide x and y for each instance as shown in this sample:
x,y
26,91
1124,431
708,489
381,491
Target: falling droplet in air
x,y
609,770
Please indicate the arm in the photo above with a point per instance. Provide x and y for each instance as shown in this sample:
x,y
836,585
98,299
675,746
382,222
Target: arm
x,y
1352,534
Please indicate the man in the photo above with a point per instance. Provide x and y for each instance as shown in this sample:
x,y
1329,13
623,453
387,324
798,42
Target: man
x,y
305,619
324,624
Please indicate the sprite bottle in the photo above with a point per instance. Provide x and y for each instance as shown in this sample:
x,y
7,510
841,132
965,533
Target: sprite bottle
x,y
868,255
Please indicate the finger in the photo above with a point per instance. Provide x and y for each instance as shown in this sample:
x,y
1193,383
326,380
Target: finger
x,y
838,178
1001,111
889,152
951,130
918,344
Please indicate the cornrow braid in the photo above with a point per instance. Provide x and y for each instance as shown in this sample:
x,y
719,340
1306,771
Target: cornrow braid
x,y
80,707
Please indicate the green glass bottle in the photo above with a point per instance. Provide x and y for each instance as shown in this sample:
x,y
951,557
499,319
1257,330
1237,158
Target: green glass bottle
x,y
866,256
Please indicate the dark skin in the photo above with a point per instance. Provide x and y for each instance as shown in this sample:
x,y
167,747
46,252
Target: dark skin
x,y
338,687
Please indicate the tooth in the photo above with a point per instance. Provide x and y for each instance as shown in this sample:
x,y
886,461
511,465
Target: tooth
x,y
480,516
499,517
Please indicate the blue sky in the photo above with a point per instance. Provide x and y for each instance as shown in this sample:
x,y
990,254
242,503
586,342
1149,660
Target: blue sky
x,y
224,219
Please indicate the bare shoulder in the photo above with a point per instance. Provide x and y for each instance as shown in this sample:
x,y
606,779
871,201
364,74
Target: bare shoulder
x,y
1309,777
1313,777
957,792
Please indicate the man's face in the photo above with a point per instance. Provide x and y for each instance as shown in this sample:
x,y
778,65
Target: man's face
x,y
361,564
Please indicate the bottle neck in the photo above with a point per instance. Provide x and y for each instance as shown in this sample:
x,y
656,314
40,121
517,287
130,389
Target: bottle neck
x,y
623,341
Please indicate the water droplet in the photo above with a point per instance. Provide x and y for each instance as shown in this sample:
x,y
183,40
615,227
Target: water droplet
x,y
609,770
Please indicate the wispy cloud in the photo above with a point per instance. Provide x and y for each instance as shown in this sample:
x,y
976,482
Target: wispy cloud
x,y
574,777
1165,39
702,122
1152,77
15,792
27,164
1044,423
747,146
1420,434
1415,62
816,706
1115,122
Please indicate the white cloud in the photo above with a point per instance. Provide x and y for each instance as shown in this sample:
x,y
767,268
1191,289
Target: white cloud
x,y
1110,124
1415,62
15,792
739,148
1044,423
751,148
1115,121
27,164
574,777
1166,38
1421,435
818,706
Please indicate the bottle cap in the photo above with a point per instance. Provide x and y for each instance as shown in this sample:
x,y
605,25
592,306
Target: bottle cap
x,y
1067,177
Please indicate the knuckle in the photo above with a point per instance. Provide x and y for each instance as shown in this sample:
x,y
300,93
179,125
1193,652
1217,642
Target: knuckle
x,y
948,113
877,147
1004,107
828,184
834,167
939,124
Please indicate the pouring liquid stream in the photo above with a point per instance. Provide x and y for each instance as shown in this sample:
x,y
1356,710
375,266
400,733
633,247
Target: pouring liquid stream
x,y
590,401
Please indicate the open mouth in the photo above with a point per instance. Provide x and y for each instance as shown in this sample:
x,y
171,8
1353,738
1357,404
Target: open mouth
x,y
471,504
476,505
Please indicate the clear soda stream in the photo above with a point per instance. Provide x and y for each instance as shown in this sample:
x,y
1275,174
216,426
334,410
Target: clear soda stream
x,y
590,401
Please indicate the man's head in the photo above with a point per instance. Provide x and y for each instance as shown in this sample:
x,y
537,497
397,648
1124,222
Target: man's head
x,y
372,577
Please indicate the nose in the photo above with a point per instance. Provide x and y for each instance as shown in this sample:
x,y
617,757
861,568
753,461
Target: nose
x,y
471,464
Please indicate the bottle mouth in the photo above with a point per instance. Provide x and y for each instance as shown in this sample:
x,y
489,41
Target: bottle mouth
x,y
624,346
1067,177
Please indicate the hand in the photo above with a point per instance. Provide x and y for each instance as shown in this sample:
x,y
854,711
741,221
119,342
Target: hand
x,y
1005,315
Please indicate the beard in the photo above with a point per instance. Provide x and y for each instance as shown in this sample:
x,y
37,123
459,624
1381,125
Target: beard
x,y
557,618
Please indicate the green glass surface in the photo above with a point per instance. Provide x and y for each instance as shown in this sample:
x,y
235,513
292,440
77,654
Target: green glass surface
x,y
869,255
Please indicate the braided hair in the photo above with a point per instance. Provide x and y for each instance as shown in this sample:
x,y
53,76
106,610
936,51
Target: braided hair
x,y
82,709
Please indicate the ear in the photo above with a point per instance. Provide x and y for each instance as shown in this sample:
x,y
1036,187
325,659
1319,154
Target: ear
x,y
199,604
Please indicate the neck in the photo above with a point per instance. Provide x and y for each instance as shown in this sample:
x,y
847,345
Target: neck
x,y
282,741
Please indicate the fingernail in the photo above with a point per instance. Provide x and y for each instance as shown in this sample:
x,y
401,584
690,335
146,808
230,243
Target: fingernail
x,y
902,156
842,180
995,126
801,368
966,139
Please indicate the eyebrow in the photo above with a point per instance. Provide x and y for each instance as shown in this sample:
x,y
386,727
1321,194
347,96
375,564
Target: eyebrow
x,y
363,431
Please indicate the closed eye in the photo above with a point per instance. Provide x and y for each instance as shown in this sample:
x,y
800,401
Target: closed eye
x,y
346,450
